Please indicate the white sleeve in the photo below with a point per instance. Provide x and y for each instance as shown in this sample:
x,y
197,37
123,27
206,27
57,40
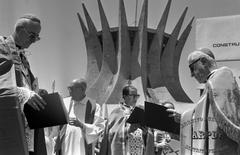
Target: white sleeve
x,y
93,131
23,95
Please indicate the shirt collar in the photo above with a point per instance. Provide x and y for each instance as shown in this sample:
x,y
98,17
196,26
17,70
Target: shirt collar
x,y
83,101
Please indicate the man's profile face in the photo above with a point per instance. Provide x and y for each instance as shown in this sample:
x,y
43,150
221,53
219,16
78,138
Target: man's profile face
x,y
77,93
30,34
199,71
131,99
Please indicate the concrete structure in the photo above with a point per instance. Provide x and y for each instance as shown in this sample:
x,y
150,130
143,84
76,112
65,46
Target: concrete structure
x,y
144,57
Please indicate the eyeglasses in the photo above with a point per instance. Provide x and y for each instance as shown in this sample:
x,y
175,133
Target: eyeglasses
x,y
134,95
191,66
32,35
72,88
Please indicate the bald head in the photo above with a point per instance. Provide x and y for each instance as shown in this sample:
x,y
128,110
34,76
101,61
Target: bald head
x,y
78,83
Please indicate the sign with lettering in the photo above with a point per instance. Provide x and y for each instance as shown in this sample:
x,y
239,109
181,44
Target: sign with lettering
x,y
221,35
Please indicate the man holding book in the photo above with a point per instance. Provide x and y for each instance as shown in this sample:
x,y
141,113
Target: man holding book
x,y
123,138
213,125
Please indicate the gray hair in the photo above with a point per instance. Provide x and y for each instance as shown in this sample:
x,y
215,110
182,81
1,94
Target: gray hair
x,y
202,54
26,19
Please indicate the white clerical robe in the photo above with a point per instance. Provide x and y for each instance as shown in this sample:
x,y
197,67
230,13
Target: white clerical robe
x,y
212,127
73,143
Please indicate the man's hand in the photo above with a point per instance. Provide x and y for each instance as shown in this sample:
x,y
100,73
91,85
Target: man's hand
x,y
162,145
76,122
173,113
134,127
36,102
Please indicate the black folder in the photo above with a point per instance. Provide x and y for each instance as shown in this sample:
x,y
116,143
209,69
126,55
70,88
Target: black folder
x,y
54,113
137,116
157,117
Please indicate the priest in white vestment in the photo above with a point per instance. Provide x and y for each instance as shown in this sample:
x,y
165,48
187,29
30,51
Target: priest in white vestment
x,y
85,122
213,126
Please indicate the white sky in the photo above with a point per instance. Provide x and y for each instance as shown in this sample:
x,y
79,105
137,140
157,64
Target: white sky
x,y
60,55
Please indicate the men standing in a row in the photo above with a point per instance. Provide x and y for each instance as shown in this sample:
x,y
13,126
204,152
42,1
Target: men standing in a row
x,y
85,124
21,84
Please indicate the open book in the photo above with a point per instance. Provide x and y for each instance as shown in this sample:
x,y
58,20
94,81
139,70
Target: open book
x,y
137,116
54,113
154,116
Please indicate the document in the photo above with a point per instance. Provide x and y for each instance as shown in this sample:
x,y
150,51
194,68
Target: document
x,y
154,116
137,116
54,113
157,117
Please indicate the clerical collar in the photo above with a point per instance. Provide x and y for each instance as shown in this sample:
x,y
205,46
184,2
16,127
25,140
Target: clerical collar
x,y
126,108
83,101
125,105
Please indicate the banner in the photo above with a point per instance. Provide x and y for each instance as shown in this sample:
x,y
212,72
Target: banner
x,y
221,35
